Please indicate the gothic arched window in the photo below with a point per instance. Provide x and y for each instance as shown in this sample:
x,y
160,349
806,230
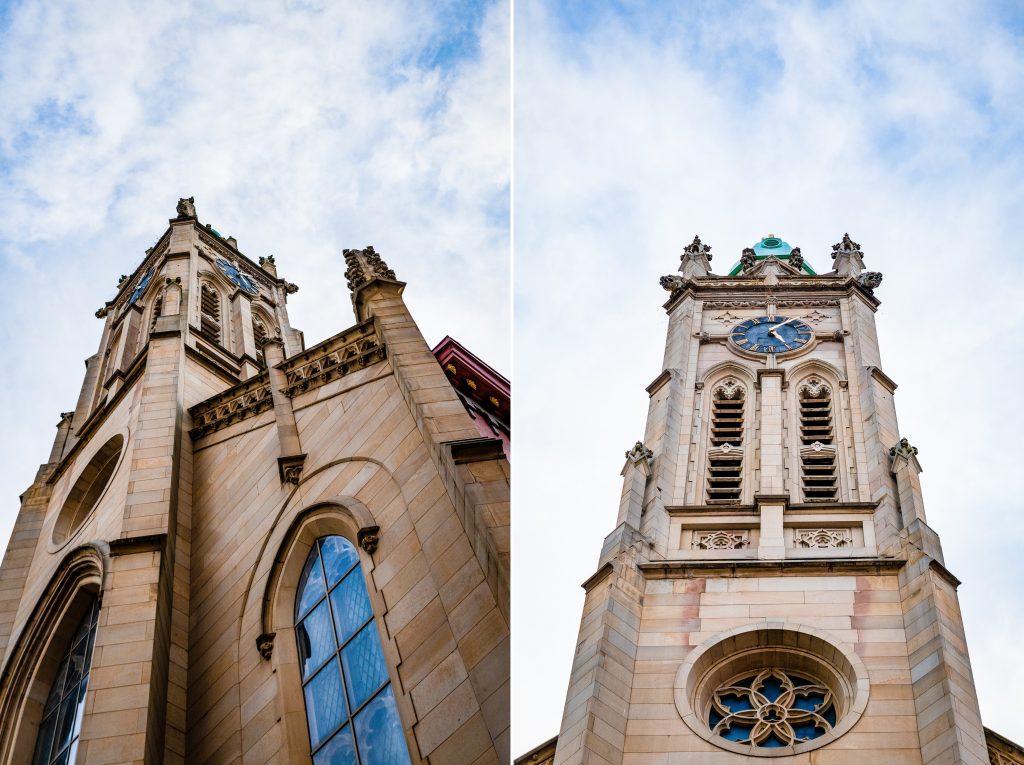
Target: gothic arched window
x,y
350,704
62,716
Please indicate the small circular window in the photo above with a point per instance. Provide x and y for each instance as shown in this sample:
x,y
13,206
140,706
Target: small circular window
x,y
87,489
771,691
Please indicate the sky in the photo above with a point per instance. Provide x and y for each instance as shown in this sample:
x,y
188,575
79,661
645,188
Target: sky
x,y
300,128
641,124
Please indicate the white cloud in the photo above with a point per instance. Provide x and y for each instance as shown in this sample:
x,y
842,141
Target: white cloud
x,y
636,130
300,129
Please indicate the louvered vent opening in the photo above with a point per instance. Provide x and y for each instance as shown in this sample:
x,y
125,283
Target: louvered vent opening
x,y
725,467
819,467
259,331
158,307
209,320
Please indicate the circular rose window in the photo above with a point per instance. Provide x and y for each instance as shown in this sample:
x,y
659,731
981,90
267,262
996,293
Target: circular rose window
x,y
771,691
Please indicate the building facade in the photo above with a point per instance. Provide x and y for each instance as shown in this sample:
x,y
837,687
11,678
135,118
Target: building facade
x,y
772,588
244,550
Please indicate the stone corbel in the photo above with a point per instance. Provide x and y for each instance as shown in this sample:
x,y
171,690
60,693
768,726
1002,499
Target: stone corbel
x,y
368,538
902,454
640,456
290,468
265,645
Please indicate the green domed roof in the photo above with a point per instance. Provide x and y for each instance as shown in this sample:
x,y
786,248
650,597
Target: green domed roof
x,y
772,245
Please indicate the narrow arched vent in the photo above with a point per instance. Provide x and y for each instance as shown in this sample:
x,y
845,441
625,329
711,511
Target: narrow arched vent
x,y
209,308
817,443
725,450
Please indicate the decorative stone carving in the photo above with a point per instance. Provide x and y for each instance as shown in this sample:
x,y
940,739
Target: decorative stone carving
x,y
705,338
363,266
333,358
290,289
849,260
672,283
904,449
816,317
267,260
729,388
123,278
870,281
695,260
748,258
245,400
289,468
726,318
368,538
187,208
838,336
721,540
814,387
823,538
639,452
796,258
101,313
265,645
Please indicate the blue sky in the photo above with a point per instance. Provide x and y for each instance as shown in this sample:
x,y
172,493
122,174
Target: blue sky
x,y
300,128
638,125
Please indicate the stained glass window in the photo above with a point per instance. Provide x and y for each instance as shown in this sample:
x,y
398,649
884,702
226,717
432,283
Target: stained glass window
x,y
350,706
57,743
772,708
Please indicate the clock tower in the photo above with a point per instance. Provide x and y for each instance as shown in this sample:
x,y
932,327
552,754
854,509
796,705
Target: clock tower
x,y
244,549
772,587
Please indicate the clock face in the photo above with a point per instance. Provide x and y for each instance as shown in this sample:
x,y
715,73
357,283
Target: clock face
x,y
764,335
140,287
237,277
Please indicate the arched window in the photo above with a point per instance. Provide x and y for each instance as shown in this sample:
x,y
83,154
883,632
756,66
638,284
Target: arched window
x,y
62,716
350,705
209,313
725,450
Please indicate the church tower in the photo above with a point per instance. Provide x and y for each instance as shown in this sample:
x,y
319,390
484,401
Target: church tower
x,y
245,550
772,588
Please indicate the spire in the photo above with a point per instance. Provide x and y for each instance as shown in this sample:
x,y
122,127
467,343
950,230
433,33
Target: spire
x,y
364,266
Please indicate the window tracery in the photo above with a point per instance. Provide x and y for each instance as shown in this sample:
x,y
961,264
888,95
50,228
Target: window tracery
x,y
772,708
57,741
350,705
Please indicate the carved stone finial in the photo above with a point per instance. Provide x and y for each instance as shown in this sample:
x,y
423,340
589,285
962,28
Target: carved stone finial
x,y
368,538
846,245
187,208
748,258
904,449
269,259
639,452
696,247
121,280
695,260
796,258
265,645
848,257
870,281
364,266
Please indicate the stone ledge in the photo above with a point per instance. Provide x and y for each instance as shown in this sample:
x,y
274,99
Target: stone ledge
x,y
475,449
682,569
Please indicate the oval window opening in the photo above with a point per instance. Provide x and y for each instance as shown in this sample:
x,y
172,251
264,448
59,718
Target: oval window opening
x,y
88,489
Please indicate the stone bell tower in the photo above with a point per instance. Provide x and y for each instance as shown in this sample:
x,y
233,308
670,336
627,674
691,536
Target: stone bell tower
x,y
772,587
245,550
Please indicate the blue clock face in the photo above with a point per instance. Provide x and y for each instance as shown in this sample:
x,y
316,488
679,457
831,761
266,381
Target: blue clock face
x,y
140,287
237,277
777,335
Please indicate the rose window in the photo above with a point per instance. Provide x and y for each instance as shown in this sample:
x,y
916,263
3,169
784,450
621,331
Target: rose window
x,y
771,708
